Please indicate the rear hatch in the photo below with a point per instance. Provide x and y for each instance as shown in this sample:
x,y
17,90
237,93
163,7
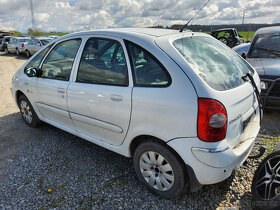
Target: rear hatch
x,y
216,72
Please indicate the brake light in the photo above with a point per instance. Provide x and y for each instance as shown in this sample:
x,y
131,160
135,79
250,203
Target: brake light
x,y
212,120
22,45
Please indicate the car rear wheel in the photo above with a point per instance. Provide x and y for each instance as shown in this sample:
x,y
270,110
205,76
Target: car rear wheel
x,y
27,112
159,169
28,54
266,183
17,52
223,40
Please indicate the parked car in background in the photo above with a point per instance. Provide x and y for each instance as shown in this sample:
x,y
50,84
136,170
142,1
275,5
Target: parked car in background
x,y
175,102
228,36
264,56
242,48
35,44
53,37
4,41
17,45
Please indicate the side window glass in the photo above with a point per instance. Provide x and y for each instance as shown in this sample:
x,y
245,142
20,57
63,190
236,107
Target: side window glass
x,y
103,62
35,62
59,62
147,70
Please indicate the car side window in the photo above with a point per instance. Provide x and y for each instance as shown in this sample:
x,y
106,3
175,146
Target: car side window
x,y
103,62
35,62
58,64
147,70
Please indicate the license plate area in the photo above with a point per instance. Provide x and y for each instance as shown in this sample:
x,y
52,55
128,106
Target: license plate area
x,y
247,121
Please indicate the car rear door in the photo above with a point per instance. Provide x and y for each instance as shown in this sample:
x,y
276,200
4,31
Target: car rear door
x,y
51,86
99,98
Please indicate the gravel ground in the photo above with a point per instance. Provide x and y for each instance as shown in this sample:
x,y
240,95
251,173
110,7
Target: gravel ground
x,y
49,168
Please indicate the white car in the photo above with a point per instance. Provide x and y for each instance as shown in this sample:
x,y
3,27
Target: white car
x,y
176,102
35,44
242,48
17,45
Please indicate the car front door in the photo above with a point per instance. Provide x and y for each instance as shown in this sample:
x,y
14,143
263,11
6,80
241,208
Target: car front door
x,y
99,98
53,83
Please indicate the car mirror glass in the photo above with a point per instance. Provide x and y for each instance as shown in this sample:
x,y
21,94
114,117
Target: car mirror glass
x,y
31,72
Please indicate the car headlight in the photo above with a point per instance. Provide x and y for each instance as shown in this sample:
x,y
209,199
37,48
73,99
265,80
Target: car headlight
x,y
263,86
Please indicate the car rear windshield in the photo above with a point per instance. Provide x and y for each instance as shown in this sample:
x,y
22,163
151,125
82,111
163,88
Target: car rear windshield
x,y
219,66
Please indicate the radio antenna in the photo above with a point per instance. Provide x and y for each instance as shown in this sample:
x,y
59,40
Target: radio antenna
x,y
181,30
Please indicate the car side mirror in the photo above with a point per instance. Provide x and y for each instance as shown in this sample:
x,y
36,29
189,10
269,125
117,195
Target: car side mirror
x,y
32,72
38,44
243,55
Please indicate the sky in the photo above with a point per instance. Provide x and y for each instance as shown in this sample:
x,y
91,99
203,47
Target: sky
x,y
76,15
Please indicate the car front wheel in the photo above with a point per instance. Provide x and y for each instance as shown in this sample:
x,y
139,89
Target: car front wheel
x,y
27,112
160,170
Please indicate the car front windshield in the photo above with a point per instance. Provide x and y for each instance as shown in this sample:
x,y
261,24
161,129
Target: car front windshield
x,y
219,66
266,46
45,41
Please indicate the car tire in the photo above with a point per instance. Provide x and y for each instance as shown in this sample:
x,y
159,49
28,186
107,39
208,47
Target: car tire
x,y
17,52
223,40
28,54
267,176
160,170
27,112
7,51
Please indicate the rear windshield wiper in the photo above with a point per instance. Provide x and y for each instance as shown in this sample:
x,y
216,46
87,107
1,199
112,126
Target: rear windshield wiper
x,y
248,75
276,52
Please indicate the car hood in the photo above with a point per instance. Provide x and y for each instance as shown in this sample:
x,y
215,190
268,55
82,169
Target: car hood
x,y
271,66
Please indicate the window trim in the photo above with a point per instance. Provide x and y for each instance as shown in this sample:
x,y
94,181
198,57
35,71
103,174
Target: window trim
x,y
126,84
50,50
127,42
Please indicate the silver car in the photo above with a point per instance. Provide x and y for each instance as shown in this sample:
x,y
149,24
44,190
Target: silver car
x,y
17,45
35,45
174,102
264,56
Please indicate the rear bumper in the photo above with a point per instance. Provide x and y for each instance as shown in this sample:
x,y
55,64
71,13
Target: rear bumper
x,y
214,162
271,96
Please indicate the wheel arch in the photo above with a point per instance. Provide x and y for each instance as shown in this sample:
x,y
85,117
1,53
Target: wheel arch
x,y
17,95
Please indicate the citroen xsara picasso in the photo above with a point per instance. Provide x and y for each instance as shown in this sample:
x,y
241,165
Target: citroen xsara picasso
x,y
178,103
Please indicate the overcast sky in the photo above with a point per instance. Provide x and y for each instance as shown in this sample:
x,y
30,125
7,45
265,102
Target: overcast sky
x,y
75,15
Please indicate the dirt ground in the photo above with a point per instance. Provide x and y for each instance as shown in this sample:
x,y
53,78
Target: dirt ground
x,y
9,123
83,175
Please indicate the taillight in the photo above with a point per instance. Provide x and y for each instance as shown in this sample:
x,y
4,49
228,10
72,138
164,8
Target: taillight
x,y
212,120
22,45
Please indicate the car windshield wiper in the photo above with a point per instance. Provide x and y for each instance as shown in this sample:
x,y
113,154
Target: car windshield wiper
x,y
276,52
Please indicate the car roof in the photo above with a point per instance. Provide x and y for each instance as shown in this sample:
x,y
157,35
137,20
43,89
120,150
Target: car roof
x,y
224,29
153,32
268,30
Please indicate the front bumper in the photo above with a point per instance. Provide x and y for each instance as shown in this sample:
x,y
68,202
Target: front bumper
x,y
271,96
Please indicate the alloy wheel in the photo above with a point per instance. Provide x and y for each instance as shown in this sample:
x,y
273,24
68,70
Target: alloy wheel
x,y
26,111
268,180
156,170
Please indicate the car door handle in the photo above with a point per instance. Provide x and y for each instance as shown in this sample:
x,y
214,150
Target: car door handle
x,y
115,97
26,83
61,90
